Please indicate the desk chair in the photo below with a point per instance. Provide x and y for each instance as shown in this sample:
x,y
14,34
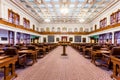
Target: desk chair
x,y
11,51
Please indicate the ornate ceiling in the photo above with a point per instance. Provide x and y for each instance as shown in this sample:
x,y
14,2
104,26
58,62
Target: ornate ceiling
x,y
65,11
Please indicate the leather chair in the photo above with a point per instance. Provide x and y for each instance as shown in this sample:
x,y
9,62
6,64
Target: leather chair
x,y
41,51
46,47
87,52
106,57
31,47
11,51
96,47
95,53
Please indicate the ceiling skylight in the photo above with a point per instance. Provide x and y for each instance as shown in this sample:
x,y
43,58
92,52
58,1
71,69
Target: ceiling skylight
x,y
47,0
72,5
47,20
72,0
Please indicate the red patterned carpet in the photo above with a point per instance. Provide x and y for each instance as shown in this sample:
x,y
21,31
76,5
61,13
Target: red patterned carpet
x,y
57,67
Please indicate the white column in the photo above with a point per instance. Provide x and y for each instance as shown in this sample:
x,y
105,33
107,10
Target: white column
x,y
15,37
87,39
113,37
0,8
39,39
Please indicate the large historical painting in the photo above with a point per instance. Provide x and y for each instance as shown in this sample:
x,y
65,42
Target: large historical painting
x,y
70,39
77,38
50,38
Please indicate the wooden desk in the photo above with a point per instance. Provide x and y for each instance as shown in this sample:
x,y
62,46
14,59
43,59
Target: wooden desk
x,y
42,49
86,49
32,53
1,52
5,63
116,67
95,54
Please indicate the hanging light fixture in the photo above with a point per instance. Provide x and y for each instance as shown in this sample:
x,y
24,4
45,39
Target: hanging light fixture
x,y
81,20
64,9
47,20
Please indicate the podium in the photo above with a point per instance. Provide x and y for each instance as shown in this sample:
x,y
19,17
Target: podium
x,y
64,50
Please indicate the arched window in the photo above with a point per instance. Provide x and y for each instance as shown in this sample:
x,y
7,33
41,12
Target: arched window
x,y
58,29
64,29
47,29
70,30
42,29
53,29
75,30
95,27
81,29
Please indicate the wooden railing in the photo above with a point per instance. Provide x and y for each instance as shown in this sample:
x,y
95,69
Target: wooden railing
x,y
75,33
105,28
5,22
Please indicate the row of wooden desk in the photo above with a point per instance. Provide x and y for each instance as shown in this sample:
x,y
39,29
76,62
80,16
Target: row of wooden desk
x,y
100,54
8,63
114,59
31,53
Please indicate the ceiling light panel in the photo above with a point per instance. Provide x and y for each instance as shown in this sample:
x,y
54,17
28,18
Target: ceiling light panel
x,y
71,5
49,5
56,0
81,0
87,6
31,0
79,5
42,6
72,0
47,0
57,5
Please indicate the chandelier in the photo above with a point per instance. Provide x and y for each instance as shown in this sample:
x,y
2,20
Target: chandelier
x,y
64,9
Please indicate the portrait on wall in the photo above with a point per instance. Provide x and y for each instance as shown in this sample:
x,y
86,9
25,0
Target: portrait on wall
x,y
50,38
57,39
70,39
77,38
44,39
10,16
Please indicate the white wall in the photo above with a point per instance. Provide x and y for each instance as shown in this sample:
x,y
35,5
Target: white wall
x,y
4,13
107,14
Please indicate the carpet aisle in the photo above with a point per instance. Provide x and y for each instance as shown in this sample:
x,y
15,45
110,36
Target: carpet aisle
x,y
57,67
